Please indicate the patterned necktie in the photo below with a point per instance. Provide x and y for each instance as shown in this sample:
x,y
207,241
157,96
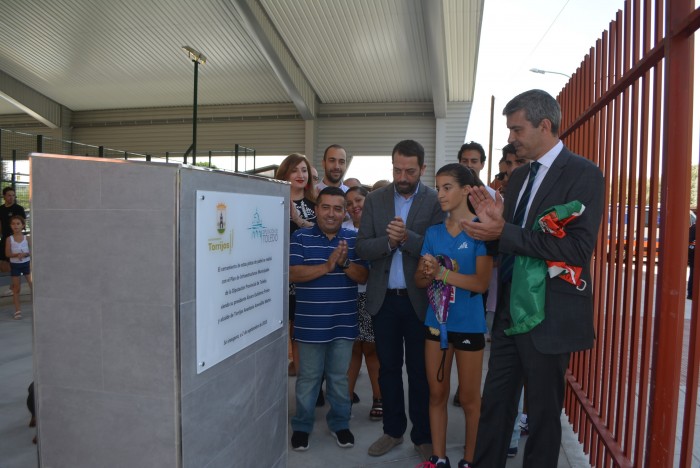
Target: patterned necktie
x,y
506,267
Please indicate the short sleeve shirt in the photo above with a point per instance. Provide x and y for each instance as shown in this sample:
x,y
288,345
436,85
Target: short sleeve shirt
x,y
466,309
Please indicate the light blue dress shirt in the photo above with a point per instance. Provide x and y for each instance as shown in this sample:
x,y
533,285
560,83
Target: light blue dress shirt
x,y
401,208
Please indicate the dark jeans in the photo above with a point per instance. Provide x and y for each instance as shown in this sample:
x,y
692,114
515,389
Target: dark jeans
x,y
397,328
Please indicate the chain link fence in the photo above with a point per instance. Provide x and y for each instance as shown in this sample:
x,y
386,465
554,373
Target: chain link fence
x,y
15,148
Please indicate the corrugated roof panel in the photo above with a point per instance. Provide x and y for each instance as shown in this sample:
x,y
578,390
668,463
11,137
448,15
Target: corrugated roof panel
x,y
73,50
462,30
94,54
7,108
174,114
376,136
359,51
274,138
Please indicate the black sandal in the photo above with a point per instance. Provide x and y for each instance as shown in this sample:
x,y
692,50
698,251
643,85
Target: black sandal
x,y
377,411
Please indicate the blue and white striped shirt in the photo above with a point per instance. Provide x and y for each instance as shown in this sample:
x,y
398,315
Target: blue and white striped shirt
x,y
327,306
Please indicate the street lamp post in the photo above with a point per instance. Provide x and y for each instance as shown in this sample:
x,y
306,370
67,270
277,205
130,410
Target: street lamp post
x,y
542,72
196,57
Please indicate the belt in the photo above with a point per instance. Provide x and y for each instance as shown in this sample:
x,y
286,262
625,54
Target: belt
x,y
397,292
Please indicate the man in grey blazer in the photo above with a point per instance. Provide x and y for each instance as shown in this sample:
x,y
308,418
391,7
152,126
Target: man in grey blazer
x,y
539,357
394,220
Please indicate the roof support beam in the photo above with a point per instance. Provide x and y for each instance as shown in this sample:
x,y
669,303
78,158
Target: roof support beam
x,y
434,23
30,101
272,46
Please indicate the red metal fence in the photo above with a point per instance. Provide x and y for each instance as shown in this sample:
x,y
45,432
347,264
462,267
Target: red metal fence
x,y
629,108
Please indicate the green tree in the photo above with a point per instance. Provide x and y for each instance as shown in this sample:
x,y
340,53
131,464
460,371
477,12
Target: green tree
x,y
206,164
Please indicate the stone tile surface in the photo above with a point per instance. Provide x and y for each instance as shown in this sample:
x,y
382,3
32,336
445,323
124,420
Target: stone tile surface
x,y
139,349
68,337
88,429
57,174
139,256
138,186
214,414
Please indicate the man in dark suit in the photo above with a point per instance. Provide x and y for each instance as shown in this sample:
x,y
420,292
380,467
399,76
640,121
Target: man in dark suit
x,y
540,357
394,220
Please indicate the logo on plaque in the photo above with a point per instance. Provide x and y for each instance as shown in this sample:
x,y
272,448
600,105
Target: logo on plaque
x,y
222,243
221,218
259,231
257,222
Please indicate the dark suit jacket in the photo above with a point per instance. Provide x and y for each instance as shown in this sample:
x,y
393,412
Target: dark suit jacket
x,y
373,243
568,323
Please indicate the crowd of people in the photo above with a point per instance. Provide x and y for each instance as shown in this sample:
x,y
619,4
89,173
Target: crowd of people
x,y
403,274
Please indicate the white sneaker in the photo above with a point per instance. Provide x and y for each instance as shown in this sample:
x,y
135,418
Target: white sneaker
x,y
524,427
6,293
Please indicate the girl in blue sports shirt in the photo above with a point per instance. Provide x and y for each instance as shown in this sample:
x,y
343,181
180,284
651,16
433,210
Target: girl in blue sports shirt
x,y
465,321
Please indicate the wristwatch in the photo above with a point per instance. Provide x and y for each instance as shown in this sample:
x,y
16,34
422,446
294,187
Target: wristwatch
x,y
345,265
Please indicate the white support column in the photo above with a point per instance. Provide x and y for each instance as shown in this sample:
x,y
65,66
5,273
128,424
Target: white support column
x,y
440,140
310,128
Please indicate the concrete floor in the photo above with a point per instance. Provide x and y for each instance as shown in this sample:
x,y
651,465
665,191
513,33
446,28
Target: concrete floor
x,y
17,450
323,448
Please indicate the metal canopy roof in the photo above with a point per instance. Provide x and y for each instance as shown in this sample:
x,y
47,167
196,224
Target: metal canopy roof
x,y
100,54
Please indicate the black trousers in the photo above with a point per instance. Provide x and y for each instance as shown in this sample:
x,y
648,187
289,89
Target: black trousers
x,y
397,329
514,359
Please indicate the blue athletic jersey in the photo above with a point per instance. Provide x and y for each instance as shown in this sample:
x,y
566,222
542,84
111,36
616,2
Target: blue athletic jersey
x,y
466,309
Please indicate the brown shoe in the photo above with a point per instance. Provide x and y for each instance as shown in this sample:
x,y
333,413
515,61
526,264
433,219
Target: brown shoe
x,y
424,450
383,445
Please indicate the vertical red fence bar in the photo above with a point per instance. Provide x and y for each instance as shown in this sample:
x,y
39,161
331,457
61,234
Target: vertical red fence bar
x,y
584,372
593,391
612,236
604,239
638,407
675,189
637,194
627,221
654,158
623,395
689,414
617,226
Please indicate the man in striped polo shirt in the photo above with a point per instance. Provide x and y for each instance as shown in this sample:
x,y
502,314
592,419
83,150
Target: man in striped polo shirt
x,y
325,269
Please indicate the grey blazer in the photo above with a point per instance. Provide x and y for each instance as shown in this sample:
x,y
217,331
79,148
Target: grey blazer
x,y
568,323
373,243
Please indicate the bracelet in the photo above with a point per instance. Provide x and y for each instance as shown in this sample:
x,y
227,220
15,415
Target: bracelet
x,y
444,279
441,271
